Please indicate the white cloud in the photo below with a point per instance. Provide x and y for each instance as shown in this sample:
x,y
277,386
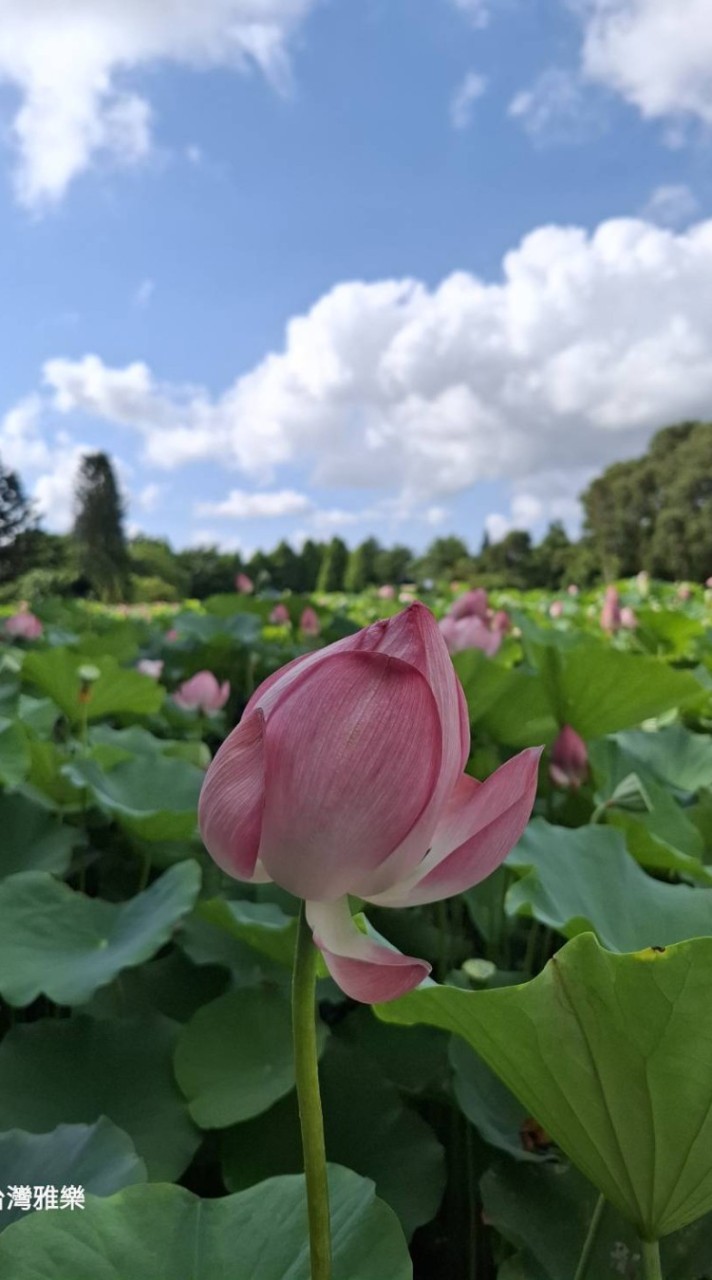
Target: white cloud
x,y
672,205
149,497
656,53
144,293
478,11
557,108
584,346
241,505
22,446
69,60
435,516
465,96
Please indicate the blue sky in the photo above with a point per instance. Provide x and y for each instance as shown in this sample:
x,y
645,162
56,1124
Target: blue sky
x,y
395,266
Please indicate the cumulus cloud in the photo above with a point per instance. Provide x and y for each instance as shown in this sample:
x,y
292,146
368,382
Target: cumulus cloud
x,y
672,205
465,96
586,344
241,505
557,108
69,62
656,53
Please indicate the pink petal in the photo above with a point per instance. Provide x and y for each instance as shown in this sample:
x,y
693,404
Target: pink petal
x,y
353,751
480,826
364,969
232,801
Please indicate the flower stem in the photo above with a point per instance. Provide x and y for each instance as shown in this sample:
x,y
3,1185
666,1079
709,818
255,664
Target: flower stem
x,y
310,1116
590,1241
652,1269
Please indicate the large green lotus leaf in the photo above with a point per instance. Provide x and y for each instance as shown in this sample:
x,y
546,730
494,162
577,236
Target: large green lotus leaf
x,y
14,753
662,631
367,1128
46,781
415,1059
512,706
600,690
577,880
122,744
262,925
675,754
157,801
166,1233
33,838
121,642
62,944
170,984
39,714
73,1071
234,1059
523,1202
241,627
612,1055
55,672
98,1157
496,1114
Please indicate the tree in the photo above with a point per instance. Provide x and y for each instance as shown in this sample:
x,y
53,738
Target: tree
x,y
393,565
333,566
447,557
553,557
361,568
17,520
99,529
512,560
310,558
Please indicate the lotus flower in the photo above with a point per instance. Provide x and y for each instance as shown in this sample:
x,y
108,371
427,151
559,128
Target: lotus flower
x,y
501,621
470,633
628,618
572,589
684,591
202,693
172,635
345,776
280,615
23,626
244,585
309,623
556,608
152,667
407,596
386,592
611,611
568,766
472,605
708,582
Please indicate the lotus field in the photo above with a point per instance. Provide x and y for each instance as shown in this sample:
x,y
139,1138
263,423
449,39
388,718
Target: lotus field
x,y
507,982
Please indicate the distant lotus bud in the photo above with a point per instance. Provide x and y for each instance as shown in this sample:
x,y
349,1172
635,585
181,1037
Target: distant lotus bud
x,y
684,591
23,626
244,585
473,604
407,596
628,618
460,634
708,582
556,608
386,592
152,667
202,693
88,676
309,623
611,611
568,764
501,621
280,615
572,589
172,635
345,776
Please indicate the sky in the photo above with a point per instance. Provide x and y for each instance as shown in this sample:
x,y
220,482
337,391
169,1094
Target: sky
x,y
391,267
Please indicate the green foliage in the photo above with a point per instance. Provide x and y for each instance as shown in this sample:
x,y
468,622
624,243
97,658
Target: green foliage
x,y
333,566
16,520
98,528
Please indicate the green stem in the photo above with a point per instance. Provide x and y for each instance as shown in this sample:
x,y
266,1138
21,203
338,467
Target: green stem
x,y
310,1116
651,1260
590,1241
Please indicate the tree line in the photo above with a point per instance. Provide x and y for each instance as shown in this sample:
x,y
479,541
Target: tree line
x,y
653,513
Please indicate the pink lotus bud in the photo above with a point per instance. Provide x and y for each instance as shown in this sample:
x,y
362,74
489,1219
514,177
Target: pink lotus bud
x,y
572,589
172,635
611,611
406,597
23,626
501,621
280,615
556,608
470,633
345,776
568,766
386,592
628,618
152,667
684,591
708,582
244,585
309,623
202,693
472,605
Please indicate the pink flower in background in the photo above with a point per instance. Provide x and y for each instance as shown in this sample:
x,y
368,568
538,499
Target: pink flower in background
x,y
345,776
572,589
684,592
628,618
279,615
611,611
556,608
386,592
470,633
501,621
568,765
708,582
202,693
309,623
172,635
23,626
472,605
152,667
406,597
244,585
